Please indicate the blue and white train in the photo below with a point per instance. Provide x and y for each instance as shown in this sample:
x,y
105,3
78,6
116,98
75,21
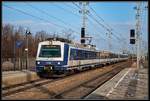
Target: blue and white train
x,y
57,57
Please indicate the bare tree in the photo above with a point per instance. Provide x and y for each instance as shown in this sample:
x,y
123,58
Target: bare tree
x,y
41,35
11,34
7,41
68,34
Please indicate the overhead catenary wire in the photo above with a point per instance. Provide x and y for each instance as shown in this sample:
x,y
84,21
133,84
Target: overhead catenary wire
x,y
42,11
38,17
34,16
106,28
70,12
23,12
68,5
96,29
76,5
93,18
77,16
88,15
102,25
106,23
109,30
99,16
62,8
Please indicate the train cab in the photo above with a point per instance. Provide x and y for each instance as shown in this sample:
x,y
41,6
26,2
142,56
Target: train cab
x,y
51,56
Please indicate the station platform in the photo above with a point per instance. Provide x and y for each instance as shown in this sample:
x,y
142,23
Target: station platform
x,y
130,83
10,78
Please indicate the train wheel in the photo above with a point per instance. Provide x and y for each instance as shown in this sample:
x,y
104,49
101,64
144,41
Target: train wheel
x,y
76,71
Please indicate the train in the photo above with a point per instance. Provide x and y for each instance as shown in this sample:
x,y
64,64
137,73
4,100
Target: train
x,y
60,56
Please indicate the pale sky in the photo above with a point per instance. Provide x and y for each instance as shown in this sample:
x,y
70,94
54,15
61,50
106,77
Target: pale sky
x,y
60,16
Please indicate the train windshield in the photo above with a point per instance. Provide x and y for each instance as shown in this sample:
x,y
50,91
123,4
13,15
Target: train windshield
x,y
50,51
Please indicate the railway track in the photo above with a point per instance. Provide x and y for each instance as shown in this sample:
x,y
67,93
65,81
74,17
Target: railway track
x,y
65,87
84,89
23,86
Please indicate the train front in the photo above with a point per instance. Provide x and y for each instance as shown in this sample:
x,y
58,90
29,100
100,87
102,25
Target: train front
x,y
51,58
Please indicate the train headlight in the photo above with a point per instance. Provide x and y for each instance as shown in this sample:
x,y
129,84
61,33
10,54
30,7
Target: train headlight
x,y
51,68
38,62
58,63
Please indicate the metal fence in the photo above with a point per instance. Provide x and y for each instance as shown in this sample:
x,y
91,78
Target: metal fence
x,y
12,64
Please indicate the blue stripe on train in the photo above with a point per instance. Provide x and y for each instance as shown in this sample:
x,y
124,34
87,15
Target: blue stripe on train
x,y
66,49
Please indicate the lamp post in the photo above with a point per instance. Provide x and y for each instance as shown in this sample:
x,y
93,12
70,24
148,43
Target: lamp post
x,y
14,55
26,49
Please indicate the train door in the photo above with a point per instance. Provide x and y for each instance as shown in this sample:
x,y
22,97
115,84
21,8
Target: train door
x,y
66,55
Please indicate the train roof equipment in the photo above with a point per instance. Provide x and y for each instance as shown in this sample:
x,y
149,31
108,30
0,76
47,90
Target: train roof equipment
x,y
73,43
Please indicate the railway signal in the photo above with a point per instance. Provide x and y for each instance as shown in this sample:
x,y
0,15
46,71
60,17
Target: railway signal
x,y
82,35
132,36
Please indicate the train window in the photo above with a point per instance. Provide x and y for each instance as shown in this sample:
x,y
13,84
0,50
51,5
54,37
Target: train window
x,y
90,55
50,51
80,52
73,54
87,55
76,54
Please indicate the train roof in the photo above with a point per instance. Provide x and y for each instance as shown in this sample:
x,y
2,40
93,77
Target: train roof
x,y
79,45
59,39
109,52
73,43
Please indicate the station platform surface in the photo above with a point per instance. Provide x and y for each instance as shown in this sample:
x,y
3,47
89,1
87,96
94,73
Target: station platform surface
x,y
130,83
10,78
